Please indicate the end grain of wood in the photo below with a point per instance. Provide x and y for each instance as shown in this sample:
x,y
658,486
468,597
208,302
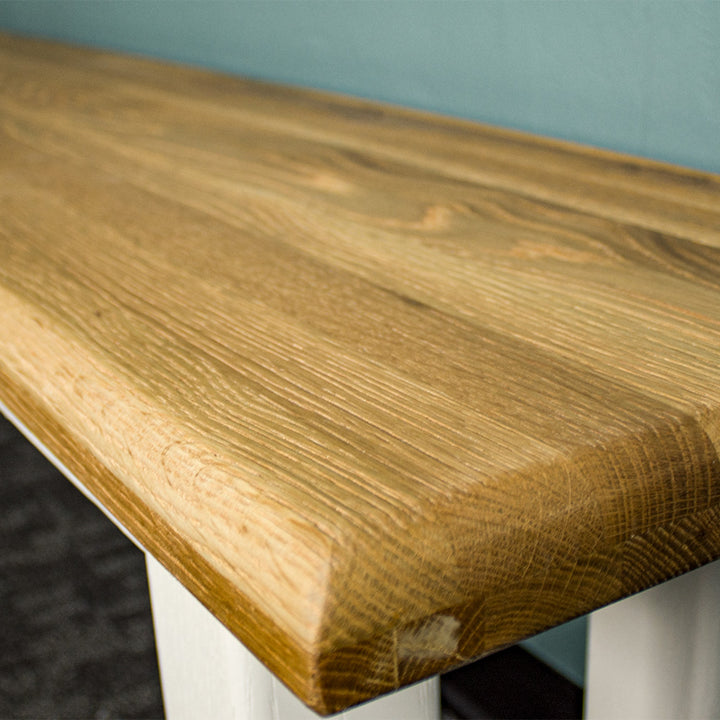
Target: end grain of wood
x,y
386,391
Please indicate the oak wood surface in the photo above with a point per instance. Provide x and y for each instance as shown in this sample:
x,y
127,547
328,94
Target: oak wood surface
x,y
387,391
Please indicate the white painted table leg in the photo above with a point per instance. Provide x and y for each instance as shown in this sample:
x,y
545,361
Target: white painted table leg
x,y
207,673
657,654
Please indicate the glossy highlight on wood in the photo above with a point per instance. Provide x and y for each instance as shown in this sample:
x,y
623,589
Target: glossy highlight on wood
x,y
386,391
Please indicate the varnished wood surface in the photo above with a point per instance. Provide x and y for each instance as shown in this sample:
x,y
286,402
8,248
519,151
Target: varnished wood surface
x,y
386,391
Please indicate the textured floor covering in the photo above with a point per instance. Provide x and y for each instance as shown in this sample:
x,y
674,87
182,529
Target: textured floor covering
x,y
76,637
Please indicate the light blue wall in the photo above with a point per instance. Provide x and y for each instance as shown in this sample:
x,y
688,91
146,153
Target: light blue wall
x,y
642,77
563,647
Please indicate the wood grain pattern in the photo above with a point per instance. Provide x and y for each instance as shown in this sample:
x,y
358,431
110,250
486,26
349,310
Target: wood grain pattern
x,y
386,391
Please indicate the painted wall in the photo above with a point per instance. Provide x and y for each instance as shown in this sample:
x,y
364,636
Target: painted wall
x,y
640,76
631,75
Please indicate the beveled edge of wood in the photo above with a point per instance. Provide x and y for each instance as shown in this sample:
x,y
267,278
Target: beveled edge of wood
x,y
640,556
397,656
259,632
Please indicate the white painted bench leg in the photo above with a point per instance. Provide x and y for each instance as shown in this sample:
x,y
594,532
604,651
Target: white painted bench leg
x,y
207,673
657,654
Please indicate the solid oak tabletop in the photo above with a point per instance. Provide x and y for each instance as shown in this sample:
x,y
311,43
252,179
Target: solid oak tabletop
x,y
387,391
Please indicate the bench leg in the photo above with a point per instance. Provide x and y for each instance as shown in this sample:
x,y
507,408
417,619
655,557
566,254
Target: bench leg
x,y
207,673
657,654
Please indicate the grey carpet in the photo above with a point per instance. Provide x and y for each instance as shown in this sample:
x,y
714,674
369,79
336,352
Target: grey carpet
x,y
76,636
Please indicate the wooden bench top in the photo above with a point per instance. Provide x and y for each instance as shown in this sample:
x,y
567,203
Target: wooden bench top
x,y
387,391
